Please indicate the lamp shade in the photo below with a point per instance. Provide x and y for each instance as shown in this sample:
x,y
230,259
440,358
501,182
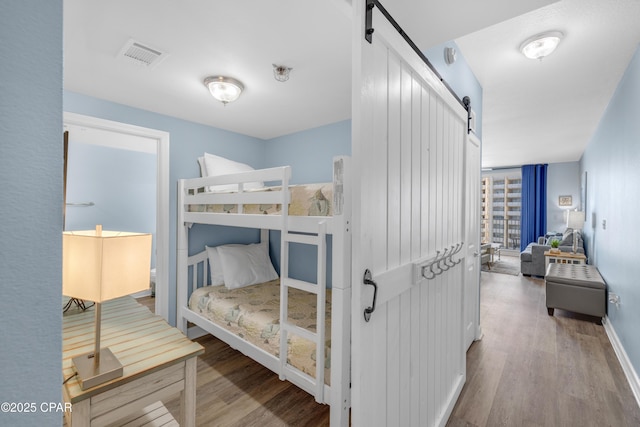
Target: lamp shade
x,y
102,265
575,220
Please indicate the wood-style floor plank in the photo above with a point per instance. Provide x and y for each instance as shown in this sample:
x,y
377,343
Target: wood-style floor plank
x,y
530,369
552,371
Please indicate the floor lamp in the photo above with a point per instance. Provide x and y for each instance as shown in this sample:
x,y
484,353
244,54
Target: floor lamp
x,y
99,266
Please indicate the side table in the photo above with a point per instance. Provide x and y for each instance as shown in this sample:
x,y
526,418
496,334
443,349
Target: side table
x,y
158,361
562,258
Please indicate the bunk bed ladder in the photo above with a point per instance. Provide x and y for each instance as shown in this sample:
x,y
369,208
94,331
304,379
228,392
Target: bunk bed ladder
x,y
319,289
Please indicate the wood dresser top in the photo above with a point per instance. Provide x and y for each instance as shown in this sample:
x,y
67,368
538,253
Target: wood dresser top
x,y
142,341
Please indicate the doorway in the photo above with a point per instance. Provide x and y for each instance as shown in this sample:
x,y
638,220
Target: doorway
x,y
125,135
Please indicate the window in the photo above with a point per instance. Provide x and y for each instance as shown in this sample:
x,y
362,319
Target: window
x,y
501,204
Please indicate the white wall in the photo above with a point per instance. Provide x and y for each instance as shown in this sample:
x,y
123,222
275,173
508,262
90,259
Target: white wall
x,y
31,208
563,179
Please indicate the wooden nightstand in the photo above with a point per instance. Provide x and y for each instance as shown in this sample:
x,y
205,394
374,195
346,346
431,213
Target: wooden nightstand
x,y
159,362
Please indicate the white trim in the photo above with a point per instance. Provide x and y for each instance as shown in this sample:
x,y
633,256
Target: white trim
x,y
623,358
162,199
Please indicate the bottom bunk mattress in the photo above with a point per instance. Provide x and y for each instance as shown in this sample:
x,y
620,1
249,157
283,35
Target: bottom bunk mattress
x,y
252,313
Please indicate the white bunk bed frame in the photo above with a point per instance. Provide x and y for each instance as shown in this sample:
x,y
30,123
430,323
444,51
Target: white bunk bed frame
x,y
310,230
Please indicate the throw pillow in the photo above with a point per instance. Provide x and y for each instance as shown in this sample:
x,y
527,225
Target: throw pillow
x,y
567,238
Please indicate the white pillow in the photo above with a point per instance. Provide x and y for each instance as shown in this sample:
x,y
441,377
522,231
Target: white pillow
x,y
216,165
245,265
216,273
215,268
203,167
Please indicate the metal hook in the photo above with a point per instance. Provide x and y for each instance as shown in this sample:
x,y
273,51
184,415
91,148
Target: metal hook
x,y
436,273
454,250
461,245
429,267
444,258
433,275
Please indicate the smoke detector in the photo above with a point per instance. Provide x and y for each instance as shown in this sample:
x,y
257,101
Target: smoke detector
x,y
141,54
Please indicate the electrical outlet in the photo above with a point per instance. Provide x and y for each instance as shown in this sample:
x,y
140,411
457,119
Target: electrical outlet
x,y
614,299
604,224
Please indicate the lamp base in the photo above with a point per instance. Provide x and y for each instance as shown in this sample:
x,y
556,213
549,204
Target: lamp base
x,y
90,374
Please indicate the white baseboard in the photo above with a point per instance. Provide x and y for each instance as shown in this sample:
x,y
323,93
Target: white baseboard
x,y
479,334
141,294
623,358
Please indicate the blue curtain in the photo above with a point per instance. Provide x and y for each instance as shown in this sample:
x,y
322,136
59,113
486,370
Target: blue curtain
x,y
533,221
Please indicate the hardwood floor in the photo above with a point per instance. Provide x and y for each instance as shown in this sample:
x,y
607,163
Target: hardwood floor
x,y
233,390
529,369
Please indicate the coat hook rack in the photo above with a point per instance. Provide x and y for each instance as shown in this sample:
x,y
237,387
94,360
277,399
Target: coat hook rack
x,y
443,261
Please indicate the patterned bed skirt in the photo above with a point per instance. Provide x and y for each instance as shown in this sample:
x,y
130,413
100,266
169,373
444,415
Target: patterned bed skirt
x,y
252,313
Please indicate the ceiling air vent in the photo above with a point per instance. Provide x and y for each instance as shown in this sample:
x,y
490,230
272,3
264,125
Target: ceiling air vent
x,y
140,54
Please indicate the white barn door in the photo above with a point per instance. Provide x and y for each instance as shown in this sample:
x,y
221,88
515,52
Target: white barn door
x,y
409,132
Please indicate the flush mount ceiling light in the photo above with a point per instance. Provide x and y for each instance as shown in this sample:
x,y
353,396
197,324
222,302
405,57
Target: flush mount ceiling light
x,y
541,45
281,73
224,89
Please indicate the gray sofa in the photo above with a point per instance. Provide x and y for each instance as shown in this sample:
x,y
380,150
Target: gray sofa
x,y
532,258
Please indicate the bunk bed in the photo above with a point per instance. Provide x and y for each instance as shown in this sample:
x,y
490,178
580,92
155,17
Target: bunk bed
x,y
231,314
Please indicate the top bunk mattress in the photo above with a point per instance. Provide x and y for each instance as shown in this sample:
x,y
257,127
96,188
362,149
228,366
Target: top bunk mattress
x,y
306,200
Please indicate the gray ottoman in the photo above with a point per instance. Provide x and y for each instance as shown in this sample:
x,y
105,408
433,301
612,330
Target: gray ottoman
x,y
577,288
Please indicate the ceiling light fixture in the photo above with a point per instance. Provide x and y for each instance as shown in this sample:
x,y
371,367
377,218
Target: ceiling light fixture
x,y
281,73
224,89
541,45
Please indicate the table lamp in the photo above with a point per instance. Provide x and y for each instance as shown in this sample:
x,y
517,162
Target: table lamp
x,y
99,266
575,220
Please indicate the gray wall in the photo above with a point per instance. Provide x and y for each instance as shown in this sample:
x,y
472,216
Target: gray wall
x,y
612,163
31,208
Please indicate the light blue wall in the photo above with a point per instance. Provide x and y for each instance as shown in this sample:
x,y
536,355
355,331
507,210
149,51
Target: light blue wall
x,y
188,141
612,160
31,208
459,77
563,179
121,184
310,152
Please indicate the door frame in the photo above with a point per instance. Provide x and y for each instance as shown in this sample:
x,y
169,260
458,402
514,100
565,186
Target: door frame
x,y
162,194
474,257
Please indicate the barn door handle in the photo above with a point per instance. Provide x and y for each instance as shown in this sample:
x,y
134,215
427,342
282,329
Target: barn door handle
x,y
368,280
